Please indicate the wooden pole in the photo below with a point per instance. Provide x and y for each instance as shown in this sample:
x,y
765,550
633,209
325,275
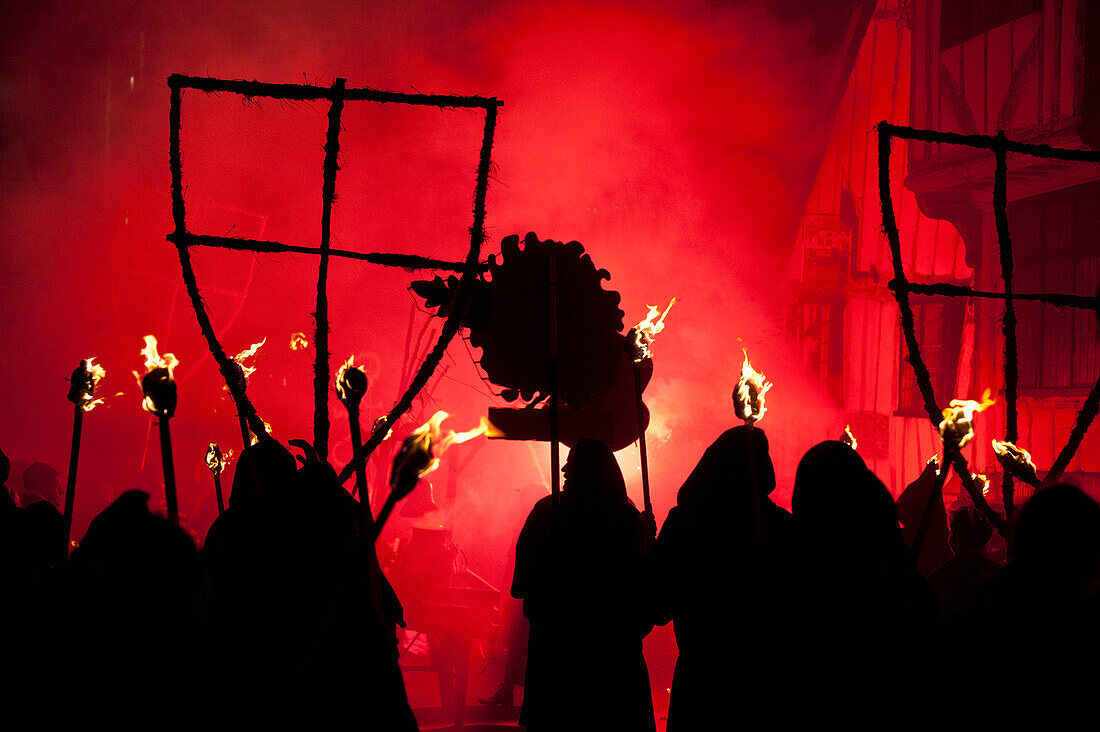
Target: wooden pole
x,y
757,503
555,467
641,437
169,471
361,467
70,485
218,492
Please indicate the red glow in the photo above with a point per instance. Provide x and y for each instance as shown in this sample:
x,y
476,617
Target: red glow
x,y
679,142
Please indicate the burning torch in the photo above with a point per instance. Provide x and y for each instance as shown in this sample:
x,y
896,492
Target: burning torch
x,y
750,391
243,371
419,455
351,386
1017,462
957,426
956,430
83,382
638,342
216,462
159,387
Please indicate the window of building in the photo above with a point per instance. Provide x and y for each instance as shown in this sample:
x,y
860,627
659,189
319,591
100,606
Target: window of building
x,y
939,325
1055,250
821,335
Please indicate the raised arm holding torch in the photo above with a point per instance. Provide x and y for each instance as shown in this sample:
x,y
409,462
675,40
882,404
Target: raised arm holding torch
x,y
82,386
158,385
638,342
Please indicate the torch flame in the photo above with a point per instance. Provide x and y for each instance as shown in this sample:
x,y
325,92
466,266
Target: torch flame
x,y
848,438
378,423
423,447
484,427
153,361
246,354
351,383
750,392
957,426
981,480
85,380
298,341
214,459
645,331
1016,460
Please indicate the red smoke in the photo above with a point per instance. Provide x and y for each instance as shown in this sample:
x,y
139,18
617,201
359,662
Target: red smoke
x,y
676,141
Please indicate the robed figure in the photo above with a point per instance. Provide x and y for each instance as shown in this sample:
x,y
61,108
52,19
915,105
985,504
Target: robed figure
x,y
580,571
723,577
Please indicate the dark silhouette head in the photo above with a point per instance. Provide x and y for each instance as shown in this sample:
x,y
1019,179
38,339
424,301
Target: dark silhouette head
x,y
40,483
262,468
592,473
968,531
1057,533
137,570
724,475
5,468
837,496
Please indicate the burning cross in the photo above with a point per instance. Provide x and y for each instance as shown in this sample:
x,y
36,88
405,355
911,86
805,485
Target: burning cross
x,y
1000,146
336,95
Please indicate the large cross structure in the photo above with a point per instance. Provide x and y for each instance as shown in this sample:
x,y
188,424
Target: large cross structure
x,y
1000,146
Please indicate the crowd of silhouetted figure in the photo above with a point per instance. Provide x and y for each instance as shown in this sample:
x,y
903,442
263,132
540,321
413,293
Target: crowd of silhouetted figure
x,y
773,611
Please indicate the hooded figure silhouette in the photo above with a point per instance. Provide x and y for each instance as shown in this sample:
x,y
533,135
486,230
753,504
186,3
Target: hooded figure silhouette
x,y
580,573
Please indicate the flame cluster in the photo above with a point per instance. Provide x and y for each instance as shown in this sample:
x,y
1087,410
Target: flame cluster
x,y
84,380
643,333
423,448
957,427
351,383
298,341
158,382
246,354
750,391
215,460
848,438
1016,461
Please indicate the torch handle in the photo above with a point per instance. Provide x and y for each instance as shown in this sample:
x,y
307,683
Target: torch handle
x,y
641,437
555,467
757,503
169,471
70,485
361,467
218,492
383,515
